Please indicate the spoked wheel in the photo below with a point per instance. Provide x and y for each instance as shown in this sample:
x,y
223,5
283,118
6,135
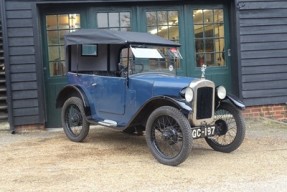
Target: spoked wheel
x,y
168,135
230,129
74,120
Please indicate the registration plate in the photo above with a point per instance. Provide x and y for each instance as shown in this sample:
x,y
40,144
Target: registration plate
x,y
200,132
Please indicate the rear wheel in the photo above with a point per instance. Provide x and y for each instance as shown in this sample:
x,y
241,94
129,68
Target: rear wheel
x,y
168,135
74,120
230,129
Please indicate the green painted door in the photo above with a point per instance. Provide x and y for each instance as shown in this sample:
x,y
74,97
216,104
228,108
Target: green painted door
x,y
167,22
207,42
56,25
203,34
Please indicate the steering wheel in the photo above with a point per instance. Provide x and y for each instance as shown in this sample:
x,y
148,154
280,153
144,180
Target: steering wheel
x,y
140,69
124,71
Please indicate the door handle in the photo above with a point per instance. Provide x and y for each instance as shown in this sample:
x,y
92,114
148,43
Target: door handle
x,y
229,52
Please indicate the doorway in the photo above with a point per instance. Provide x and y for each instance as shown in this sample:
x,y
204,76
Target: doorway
x,y
56,26
202,30
208,43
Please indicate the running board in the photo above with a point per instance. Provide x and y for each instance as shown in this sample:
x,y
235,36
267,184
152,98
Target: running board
x,y
109,123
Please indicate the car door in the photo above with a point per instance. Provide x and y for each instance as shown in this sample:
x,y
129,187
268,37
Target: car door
x,y
108,95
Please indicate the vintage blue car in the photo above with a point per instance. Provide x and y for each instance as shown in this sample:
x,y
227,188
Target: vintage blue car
x,y
127,81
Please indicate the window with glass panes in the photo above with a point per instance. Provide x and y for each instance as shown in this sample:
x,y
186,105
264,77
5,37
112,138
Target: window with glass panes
x,y
209,37
57,26
164,23
119,21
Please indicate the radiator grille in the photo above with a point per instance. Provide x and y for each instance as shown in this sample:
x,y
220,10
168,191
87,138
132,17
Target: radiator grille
x,y
204,102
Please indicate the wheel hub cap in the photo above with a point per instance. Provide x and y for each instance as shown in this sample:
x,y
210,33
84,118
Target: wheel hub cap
x,y
169,134
221,126
76,120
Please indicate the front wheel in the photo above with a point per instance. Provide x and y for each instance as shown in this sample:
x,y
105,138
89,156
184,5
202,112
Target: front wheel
x,y
230,129
74,120
168,135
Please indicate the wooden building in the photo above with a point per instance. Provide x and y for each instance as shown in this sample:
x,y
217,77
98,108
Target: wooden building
x,y
244,43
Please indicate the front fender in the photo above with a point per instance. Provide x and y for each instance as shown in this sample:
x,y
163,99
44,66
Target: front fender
x,y
235,101
178,103
182,105
165,100
143,113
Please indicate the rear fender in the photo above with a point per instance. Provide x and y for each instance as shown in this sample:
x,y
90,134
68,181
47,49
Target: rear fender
x,y
73,91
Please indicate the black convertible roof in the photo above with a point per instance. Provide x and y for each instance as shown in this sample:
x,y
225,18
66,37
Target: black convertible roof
x,y
105,36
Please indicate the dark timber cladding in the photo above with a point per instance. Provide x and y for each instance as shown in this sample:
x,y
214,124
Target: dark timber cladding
x,y
23,75
263,41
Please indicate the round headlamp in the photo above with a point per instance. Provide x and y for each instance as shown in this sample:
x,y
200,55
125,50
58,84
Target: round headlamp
x,y
188,94
221,92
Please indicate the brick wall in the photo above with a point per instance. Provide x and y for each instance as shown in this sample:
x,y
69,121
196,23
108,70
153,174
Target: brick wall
x,y
278,112
29,128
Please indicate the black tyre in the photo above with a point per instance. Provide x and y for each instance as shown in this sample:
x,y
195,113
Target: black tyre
x,y
230,129
74,120
168,135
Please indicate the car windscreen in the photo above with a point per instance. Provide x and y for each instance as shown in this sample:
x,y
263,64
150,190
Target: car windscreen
x,y
151,59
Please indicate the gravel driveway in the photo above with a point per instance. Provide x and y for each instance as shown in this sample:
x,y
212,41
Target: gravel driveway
x,y
113,161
